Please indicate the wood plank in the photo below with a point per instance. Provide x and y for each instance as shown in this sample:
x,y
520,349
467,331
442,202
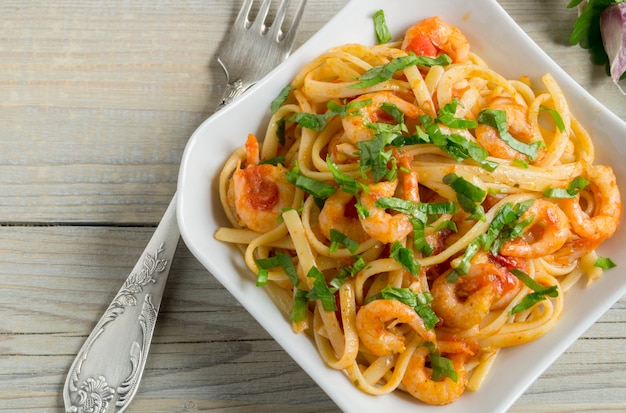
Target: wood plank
x,y
207,350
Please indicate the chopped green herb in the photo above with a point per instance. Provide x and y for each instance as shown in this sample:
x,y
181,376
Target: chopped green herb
x,y
347,183
558,120
281,98
420,302
405,258
277,160
299,308
464,263
604,263
455,145
573,188
442,367
379,74
345,273
310,120
380,27
279,260
468,195
419,237
374,157
321,291
539,294
339,238
497,119
319,189
447,116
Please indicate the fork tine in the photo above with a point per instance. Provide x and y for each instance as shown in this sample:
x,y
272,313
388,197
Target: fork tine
x,y
259,21
276,31
290,33
242,16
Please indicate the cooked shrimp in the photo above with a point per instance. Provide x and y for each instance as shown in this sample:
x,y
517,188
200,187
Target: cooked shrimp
x,y
376,324
419,383
339,212
548,231
355,123
259,192
465,302
518,126
607,207
379,223
432,37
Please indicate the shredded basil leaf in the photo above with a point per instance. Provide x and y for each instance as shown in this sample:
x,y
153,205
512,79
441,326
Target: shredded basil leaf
x,y
279,260
405,258
347,183
374,157
339,238
419,237
539,294
345,273
277,160
468,195
604,263
420,302
281,98
442,367
319,189
497,119
447,116
321,291
380,27
573,188
456,145
379,74
558,120
299,308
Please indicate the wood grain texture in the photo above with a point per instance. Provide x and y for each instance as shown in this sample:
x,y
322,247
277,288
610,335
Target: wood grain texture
x,y
97,101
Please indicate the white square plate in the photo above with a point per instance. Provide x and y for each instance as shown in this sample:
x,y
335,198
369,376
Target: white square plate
x,y
514,54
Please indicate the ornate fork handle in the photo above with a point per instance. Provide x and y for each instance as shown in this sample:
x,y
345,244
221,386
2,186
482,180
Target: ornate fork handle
x,y
106,373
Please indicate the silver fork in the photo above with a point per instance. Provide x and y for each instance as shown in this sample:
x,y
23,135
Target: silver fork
x,y
272,45
105,374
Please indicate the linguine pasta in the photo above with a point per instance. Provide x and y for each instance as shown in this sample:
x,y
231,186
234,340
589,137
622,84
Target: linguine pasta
x,y
415,212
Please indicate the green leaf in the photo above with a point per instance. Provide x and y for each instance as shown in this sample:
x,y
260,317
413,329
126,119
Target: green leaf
x,y
319,189
280,99
347,272
447,116
540,291
558,120
464,263
316,122
442,367
339,238
405,258
299,308
380,27
572,190
321,291
279,260
420,302
374,157
497,119
347,183
419,237
383,73
604,263
468,195
456,145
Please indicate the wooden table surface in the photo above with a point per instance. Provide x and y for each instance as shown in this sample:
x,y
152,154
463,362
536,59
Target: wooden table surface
x,y
97,100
